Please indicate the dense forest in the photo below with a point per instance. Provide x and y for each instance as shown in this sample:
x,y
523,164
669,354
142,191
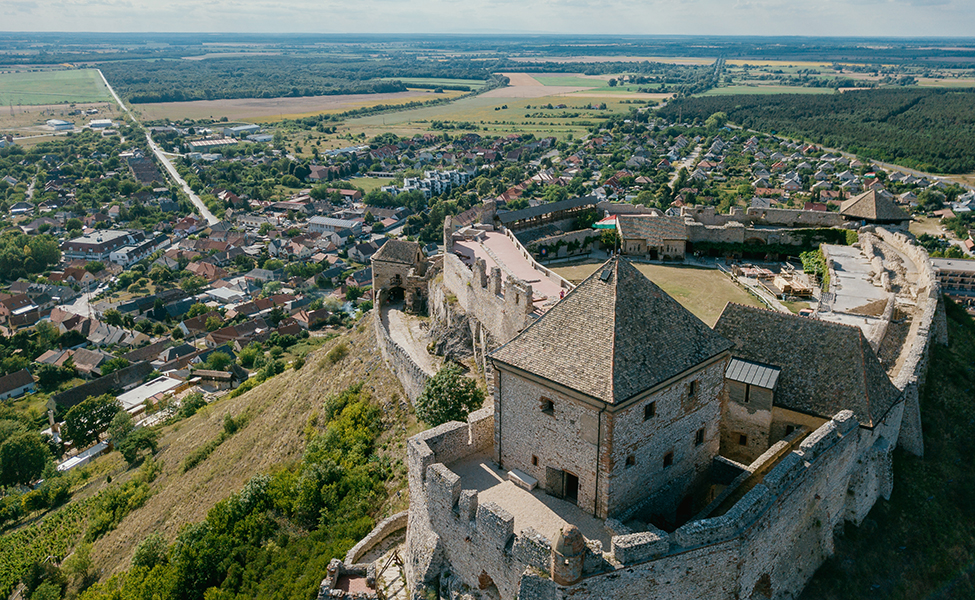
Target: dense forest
x,y
927,129
273,77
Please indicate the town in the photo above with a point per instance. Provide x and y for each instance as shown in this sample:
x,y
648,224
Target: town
x,y
671,331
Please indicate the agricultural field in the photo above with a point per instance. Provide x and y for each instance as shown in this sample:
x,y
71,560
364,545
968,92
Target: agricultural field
x,y
521,115
51,87
704,292
276,109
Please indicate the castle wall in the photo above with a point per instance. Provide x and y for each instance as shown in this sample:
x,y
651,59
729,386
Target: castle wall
x,y
779,217
579,236
503,307
673,429
411,375
929,326
772,540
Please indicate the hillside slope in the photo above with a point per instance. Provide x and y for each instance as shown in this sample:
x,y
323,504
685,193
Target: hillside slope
x,y
277,413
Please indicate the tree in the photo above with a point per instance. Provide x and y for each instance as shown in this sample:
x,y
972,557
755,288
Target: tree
x,y
22,458
85,421
150,552
213,323
448,396
197,309
113,317
113,364
192,284
613,82
144,438
95,267
716,120
645,198
120,427
218,361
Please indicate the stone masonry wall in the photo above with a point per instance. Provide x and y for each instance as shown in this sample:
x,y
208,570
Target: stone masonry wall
x,y
930,326
567,439
411,375
672,429
502,306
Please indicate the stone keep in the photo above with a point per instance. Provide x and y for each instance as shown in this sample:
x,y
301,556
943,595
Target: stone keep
x,y
611,397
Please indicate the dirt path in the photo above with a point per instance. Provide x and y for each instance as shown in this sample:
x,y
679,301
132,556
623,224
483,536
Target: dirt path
x,y
405,331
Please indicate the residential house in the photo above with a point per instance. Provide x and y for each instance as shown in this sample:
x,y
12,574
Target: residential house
x,y
16,384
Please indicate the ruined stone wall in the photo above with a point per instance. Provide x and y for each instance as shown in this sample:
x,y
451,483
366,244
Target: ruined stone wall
x,y
929,326
380,532
565,239
411,375
502,306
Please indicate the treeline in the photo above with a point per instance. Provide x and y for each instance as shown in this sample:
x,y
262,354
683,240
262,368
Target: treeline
x,y
274,77
930,130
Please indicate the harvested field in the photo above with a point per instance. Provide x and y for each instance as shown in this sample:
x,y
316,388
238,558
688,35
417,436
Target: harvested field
x,y
673,60
523,85
277,412
704,292
265,108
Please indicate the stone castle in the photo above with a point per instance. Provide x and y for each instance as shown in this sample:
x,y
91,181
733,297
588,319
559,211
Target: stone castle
x,y
631,451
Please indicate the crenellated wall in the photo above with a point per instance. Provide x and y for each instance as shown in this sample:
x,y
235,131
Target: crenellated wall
x,y
502,305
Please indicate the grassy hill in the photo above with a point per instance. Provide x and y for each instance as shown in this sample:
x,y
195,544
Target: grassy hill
x,y
277,414
921,544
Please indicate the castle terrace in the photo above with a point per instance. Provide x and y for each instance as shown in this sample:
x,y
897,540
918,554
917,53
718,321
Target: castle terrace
x,y
537,509
498,250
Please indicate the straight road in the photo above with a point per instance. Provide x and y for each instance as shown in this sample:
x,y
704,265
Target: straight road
x,y
209,216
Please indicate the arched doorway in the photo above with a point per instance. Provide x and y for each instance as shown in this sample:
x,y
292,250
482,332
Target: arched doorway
x,y
395,295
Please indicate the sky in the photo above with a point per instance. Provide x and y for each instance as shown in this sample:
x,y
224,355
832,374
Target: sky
x,y
868,18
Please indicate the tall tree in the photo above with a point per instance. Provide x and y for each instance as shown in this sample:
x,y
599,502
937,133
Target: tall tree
x,y
22,458
85,421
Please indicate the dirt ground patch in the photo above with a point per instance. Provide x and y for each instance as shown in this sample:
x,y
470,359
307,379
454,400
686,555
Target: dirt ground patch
x,y
256,108
704,292
521,79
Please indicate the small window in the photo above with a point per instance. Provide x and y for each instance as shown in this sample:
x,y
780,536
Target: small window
x,y
742,439
534,460
748,393
548,407
699,437
692,391
649,411
630,461
668,459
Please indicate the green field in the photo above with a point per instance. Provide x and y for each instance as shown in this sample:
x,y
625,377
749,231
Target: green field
x,y
473,83
480,110
750,90
52,87
704,292
370,183
570,81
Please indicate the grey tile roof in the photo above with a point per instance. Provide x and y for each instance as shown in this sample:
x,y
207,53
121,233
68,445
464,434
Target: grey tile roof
x,y
614,336
398,251
826,367
752,373
873,207
652,229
